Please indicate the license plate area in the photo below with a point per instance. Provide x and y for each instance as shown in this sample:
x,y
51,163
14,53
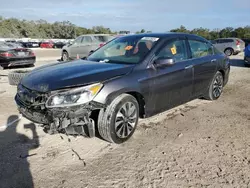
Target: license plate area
x,y
21,54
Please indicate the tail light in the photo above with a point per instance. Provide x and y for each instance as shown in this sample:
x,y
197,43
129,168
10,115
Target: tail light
x,y
237,42
6,54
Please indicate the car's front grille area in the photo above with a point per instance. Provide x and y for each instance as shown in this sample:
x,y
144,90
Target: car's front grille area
x,y
29,97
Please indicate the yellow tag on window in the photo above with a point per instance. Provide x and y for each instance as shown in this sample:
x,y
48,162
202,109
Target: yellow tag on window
x,y
173,50
128,47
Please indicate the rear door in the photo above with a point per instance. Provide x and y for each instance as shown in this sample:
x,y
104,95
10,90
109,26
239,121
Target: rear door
x,y
205,65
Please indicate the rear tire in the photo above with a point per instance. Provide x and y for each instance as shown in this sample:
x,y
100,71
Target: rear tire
x,y
216,87
113,125
229,51
15,77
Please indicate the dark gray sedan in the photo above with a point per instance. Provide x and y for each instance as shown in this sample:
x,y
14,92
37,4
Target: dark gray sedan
x,y
131,77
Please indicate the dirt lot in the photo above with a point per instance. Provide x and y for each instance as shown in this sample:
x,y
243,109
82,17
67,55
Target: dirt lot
x,y
47,54
199,144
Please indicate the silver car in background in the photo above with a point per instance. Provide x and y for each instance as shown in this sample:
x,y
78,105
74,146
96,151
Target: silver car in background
x,y
230,46
83,45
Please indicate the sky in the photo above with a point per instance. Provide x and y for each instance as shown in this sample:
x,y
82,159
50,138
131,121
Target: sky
x,y
133,15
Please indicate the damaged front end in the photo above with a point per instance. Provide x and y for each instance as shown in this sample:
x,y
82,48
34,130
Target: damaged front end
x,y
61,114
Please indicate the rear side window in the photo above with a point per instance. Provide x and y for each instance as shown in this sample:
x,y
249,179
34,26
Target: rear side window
x,y
200,49
175,49
86,39
226,40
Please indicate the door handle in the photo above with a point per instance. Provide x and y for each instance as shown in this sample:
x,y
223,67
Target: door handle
x,y
189,67
213,60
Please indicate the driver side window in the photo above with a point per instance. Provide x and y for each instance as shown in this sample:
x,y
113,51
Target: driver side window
x,y
175,49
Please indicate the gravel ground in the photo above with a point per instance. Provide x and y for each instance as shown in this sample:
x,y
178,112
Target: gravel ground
x,y
199,144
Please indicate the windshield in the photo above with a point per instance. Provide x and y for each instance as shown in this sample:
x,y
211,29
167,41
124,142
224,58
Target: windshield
x,y
127,50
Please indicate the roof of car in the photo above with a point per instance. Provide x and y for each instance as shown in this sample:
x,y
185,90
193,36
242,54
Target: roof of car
x,y
162,35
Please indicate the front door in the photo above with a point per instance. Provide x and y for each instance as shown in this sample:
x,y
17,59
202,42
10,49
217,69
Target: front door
x,y
172,85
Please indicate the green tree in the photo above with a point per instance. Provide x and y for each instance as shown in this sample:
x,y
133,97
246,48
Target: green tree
x,y
143,31
181,29
203,32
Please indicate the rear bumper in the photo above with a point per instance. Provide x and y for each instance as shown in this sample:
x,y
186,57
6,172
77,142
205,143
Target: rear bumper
x,y
11,62
239,49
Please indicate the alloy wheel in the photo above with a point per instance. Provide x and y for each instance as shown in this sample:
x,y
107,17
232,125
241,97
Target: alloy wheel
x,y
65,57
228,52
125,120
218,86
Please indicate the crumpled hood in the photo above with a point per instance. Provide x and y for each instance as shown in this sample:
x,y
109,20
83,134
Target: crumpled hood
x,y
69,74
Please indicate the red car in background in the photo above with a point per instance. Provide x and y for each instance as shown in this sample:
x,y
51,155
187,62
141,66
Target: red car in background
x,y
47,45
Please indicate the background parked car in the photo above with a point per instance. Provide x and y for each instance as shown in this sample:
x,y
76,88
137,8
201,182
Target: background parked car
x,y
30,44
230,46
59,44
15,56
47,45
83,45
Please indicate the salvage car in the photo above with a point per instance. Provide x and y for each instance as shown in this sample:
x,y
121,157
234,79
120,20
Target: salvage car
x,y
14,55
131,77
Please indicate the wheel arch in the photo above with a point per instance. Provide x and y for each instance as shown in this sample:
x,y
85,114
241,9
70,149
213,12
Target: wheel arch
x,y
135,93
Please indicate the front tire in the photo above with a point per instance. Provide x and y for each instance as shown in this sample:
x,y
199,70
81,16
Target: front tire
x,y
118,121
216,87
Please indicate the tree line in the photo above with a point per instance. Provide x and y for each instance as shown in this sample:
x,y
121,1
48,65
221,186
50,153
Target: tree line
x,y
15,28
240,32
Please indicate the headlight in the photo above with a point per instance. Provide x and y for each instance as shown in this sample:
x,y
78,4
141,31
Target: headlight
x,y
74,96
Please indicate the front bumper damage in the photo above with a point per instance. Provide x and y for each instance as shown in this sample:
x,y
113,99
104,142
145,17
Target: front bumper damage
x,y
71,120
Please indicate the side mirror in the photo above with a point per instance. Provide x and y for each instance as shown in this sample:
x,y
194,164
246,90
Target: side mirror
x,y
164,62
